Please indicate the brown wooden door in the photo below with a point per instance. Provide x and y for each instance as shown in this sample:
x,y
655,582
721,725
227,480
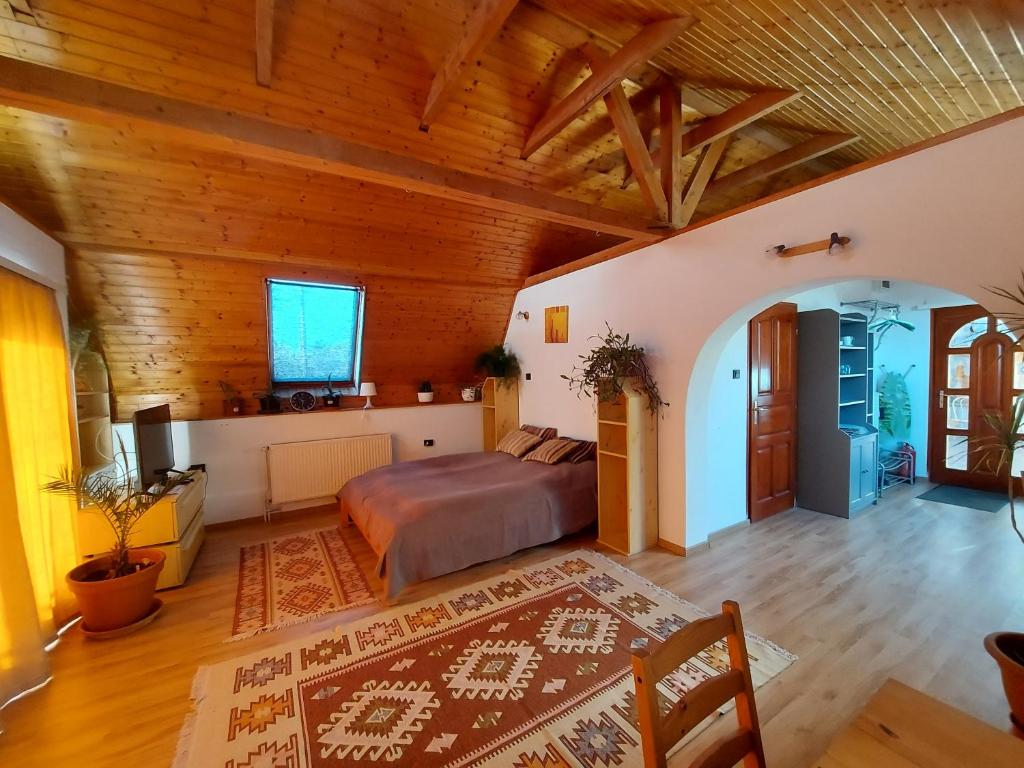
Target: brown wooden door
x,y
976,369
771,455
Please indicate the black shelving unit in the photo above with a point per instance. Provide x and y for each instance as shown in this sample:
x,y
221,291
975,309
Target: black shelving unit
x,y
837,442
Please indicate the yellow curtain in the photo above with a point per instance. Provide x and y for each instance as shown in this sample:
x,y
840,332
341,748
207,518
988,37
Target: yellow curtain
x,y
37,544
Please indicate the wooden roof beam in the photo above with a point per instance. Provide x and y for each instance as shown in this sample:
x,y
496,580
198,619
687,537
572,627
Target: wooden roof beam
x,y
647,42
798,154
728,122
478,29
140,113
701,176
264,41
670,119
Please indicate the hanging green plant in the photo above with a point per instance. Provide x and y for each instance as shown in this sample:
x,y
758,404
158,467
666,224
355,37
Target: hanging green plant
x,y
603,369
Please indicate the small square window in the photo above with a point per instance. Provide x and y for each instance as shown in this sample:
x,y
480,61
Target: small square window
x,y
315,332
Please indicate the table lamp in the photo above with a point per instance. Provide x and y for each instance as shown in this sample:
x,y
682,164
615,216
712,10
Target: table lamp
x,y
367,389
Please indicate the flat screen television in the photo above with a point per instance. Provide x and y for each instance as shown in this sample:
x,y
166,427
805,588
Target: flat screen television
x,y
153,447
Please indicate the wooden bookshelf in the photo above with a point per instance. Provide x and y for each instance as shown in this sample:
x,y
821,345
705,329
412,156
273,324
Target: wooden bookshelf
x,y
627,472
500,408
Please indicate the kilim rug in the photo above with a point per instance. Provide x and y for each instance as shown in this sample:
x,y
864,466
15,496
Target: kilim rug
x,y
528,669
296,578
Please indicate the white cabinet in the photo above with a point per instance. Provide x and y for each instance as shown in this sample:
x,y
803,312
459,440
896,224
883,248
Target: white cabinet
x,y
174,525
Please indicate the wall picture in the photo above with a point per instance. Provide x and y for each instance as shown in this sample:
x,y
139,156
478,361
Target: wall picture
x,y
556,325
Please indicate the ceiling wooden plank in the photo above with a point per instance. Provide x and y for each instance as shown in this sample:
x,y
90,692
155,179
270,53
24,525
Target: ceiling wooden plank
x,y
648,41
587,261
264,41
483,24
66,95
670,110
701,176
781,161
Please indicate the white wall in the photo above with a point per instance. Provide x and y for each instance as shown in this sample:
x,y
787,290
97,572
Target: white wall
x,y
686,297
32,253
232,449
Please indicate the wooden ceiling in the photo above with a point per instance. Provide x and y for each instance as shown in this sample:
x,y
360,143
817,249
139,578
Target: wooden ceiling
x,y
386,141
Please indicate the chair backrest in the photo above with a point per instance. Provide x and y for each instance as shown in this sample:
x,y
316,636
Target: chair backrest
x,y
659,734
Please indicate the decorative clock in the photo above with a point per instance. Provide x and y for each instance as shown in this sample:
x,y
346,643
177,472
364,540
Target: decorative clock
x,y
303,401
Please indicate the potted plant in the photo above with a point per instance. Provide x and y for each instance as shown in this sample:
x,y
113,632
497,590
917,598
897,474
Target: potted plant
x,y
331,398
499,363
425,393
269,402
1007,648
233,403
116,590
604,368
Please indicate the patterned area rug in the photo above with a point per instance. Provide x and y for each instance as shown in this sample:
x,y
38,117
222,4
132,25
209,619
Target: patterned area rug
x,y
296,578
530,669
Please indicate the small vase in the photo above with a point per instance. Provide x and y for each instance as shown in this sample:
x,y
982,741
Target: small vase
x,y
425,397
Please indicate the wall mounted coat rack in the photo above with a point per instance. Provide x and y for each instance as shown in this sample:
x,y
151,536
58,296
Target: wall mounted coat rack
x,y
835,240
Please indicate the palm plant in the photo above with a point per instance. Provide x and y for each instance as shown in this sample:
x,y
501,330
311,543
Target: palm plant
x,y
115,497
999,447
1014,319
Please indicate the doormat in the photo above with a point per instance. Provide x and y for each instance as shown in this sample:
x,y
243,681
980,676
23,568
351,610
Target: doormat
x,y
294,579
986,501
529,668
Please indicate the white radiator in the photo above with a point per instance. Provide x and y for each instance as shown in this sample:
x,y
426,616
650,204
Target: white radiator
x,y
317,469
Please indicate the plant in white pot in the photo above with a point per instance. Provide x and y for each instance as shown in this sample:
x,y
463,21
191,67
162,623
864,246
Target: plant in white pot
x,y
116,590
425,393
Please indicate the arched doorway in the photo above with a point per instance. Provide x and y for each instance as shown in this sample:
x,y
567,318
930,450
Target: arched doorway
x,y
717,414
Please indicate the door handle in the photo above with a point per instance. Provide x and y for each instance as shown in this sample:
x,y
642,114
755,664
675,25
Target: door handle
x,y
942,399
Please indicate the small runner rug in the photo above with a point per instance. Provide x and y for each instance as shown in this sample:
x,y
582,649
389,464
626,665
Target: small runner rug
x,y
296,578
531,668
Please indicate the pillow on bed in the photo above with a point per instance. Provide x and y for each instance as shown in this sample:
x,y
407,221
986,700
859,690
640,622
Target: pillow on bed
x,y
552,451
586,450
544,433
517,443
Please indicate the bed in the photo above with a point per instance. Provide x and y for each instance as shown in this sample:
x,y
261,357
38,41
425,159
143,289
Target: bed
x,y
436,516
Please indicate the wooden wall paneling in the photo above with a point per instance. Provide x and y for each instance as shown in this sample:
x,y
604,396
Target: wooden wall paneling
x,y
66,95
483,23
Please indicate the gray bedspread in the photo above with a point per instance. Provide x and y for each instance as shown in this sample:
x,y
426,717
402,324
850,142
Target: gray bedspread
x,y
432,517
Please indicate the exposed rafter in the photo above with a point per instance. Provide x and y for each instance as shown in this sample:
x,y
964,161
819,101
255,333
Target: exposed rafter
x,y
632,139
670,114
782,161
264,41
701,176
63,94
483,23
728,122
648,41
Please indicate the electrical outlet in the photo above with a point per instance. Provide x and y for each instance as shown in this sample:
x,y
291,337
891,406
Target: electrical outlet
x,y
428,443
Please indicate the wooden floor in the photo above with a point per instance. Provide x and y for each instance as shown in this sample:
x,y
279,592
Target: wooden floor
x,y
908,590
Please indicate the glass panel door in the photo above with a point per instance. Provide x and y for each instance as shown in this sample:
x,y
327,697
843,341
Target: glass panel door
x,y
977,370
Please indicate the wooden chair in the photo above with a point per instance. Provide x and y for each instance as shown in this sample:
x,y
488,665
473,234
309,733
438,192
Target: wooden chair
x,y
660,734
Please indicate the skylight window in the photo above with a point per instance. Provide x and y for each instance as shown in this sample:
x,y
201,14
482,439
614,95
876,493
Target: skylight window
x,y
315,332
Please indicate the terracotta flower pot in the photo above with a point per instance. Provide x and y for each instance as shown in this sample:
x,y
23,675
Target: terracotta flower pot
x,y
109,604
1007,648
